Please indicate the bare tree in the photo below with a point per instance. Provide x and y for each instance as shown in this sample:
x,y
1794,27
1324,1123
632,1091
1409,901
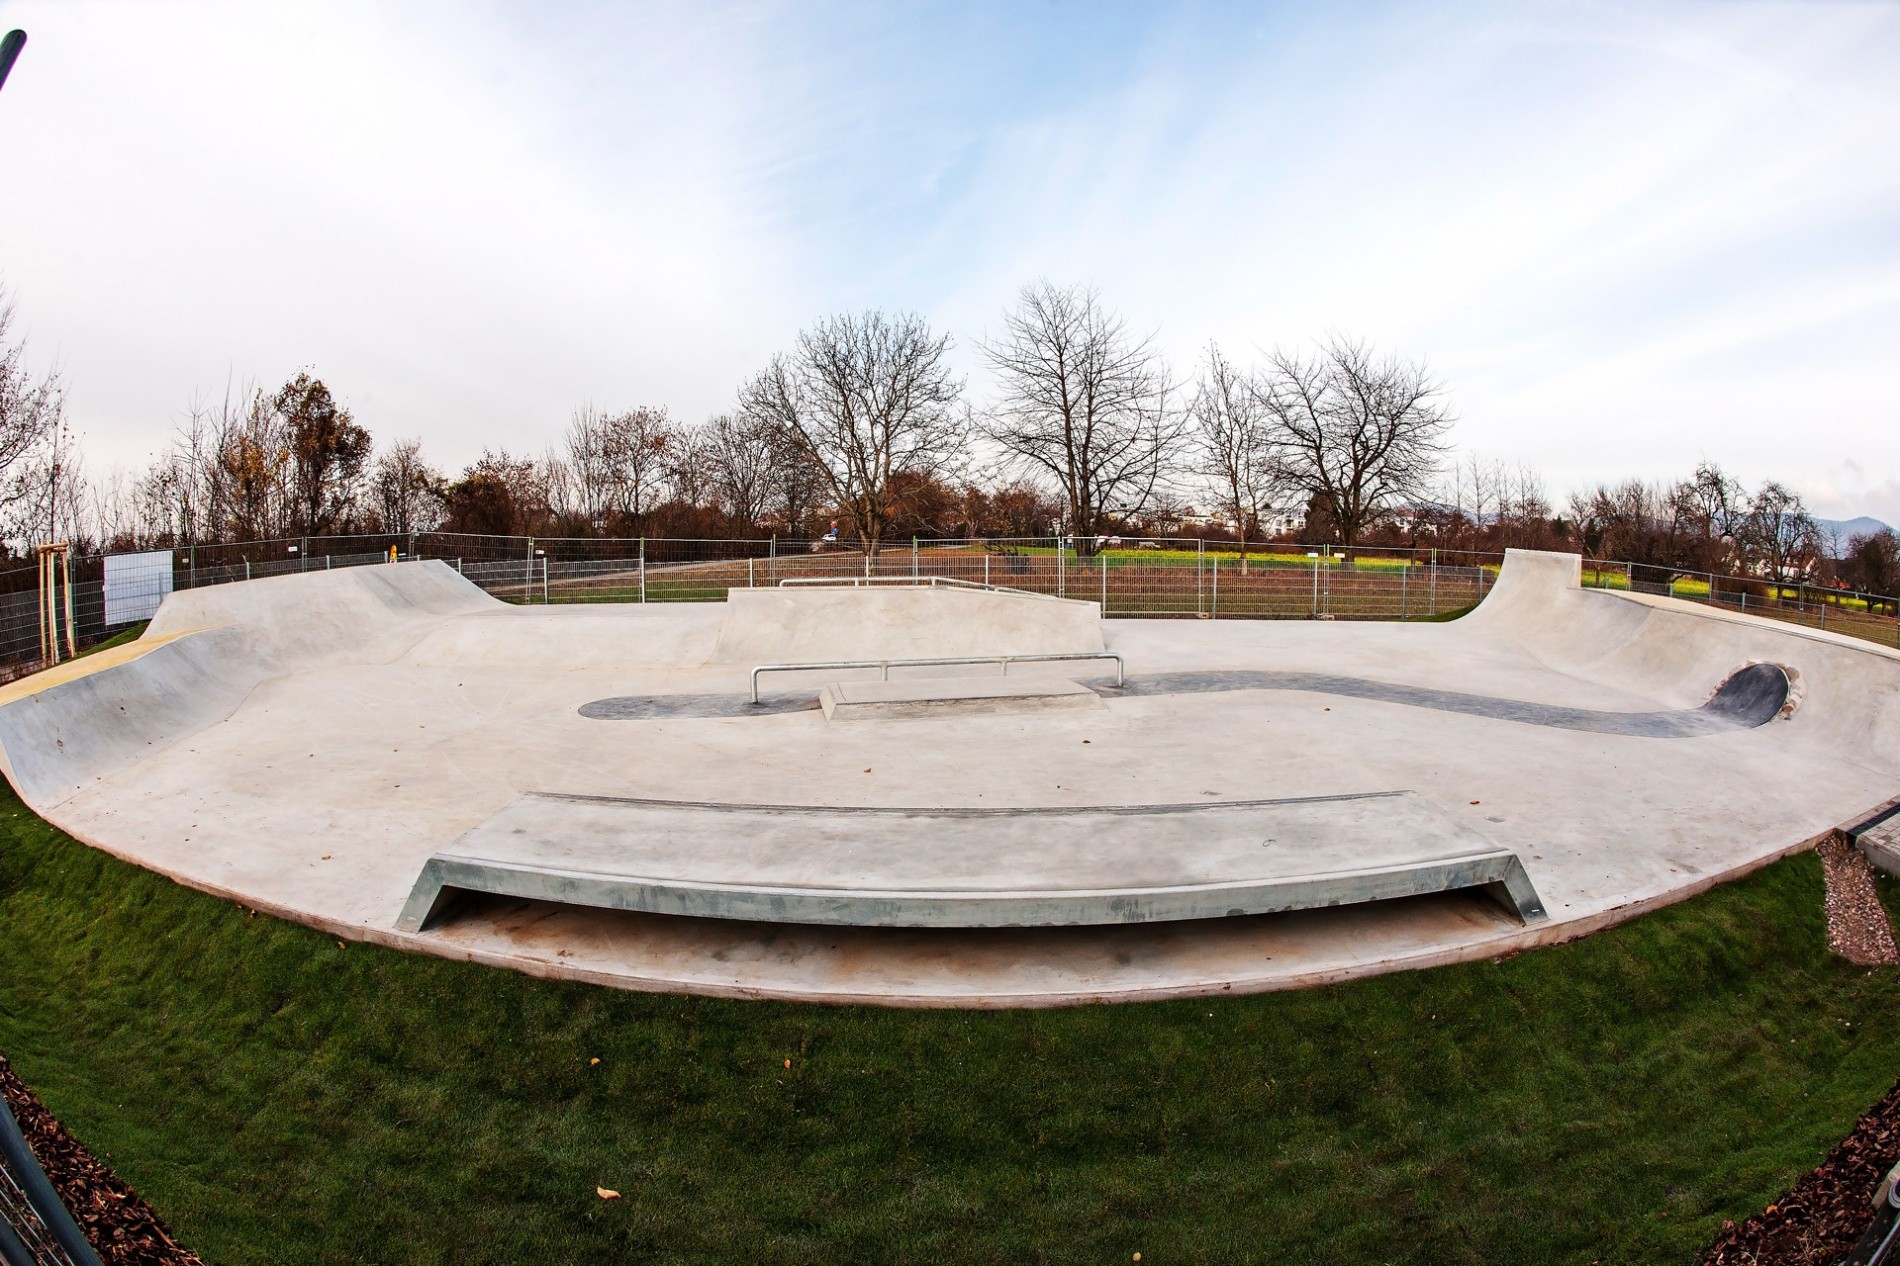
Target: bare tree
x,y
1872,562
864,397
592,466
1779,537
327,450
1361,433
1233,446
739,455
252,472
1706,512
32,416
409,493
1084,403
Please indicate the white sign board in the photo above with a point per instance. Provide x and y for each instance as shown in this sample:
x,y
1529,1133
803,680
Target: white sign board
x,y
135,585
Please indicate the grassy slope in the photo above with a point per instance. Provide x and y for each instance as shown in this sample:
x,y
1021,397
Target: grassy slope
x,y
281,1099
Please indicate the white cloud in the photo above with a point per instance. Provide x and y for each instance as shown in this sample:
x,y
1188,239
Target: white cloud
x,y
1629,237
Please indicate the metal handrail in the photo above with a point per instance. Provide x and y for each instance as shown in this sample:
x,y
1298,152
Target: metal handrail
x,y
885,665
915,581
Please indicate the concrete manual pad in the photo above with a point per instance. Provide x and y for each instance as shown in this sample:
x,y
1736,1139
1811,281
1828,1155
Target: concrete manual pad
x,y
968,868
947,696
304,745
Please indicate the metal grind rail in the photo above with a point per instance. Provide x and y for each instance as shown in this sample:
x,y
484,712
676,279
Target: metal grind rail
x,y
884,666
36,1229
912,582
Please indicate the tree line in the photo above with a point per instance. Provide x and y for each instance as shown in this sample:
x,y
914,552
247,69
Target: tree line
x,y
862,430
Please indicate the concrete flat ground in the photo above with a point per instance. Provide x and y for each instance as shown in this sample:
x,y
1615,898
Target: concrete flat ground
x,y
304,744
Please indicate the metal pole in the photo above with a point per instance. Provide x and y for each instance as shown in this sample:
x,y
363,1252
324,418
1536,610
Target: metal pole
x,y
1405,571
1062,567
1432,606
40,1194
1200,593
1213,610
72,635
1101,561
10,47
527,579
643,569
986,567
751,574
913,558
544,579
771,561
1316,584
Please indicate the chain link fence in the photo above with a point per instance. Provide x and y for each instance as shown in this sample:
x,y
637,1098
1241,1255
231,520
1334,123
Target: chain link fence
x,y
1186,578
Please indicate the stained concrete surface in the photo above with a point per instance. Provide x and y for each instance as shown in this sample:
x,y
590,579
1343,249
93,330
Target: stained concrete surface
x,y
325,734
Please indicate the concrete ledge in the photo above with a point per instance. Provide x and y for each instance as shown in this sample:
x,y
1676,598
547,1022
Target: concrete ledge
x,y
967,868
951,696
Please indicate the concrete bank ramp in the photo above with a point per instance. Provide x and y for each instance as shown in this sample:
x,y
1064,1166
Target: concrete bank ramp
x,y
813,624
200,658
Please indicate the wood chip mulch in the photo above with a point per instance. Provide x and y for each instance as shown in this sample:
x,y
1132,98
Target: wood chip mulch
x,y
121,1226
1857,925
1821,1217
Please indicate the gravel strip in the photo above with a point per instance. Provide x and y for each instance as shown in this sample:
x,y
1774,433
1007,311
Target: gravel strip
x,y
1857,925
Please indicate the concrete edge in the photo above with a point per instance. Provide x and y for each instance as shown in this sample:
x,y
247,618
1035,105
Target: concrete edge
x,y
1537,936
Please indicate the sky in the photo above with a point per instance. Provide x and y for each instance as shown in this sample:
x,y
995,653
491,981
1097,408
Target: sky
x,y
1627,238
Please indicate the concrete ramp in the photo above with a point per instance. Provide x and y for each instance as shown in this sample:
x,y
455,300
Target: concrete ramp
x,y
968,868
349,611
1842,690
202,655
813,624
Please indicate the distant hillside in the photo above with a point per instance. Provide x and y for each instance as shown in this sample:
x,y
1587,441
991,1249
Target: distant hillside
x,y
1838,532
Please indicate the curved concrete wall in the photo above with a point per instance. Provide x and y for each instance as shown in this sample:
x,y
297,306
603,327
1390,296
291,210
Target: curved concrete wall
x,y
1679,652
200,658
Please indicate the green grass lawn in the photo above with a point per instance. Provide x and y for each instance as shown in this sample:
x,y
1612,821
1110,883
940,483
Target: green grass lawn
x,y
281,1099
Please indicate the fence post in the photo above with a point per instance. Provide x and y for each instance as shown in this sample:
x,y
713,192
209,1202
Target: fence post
x,y
1404,572
1213,609
527,579
544,579
751,579
913,558
1062,567
643,569
771,561
1101,562
192,555
1432,608
1200,585
986,567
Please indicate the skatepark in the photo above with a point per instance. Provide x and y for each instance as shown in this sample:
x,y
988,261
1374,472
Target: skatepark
x,y
949,794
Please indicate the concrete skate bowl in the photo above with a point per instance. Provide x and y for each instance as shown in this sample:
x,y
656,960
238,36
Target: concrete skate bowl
x,y
589,792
